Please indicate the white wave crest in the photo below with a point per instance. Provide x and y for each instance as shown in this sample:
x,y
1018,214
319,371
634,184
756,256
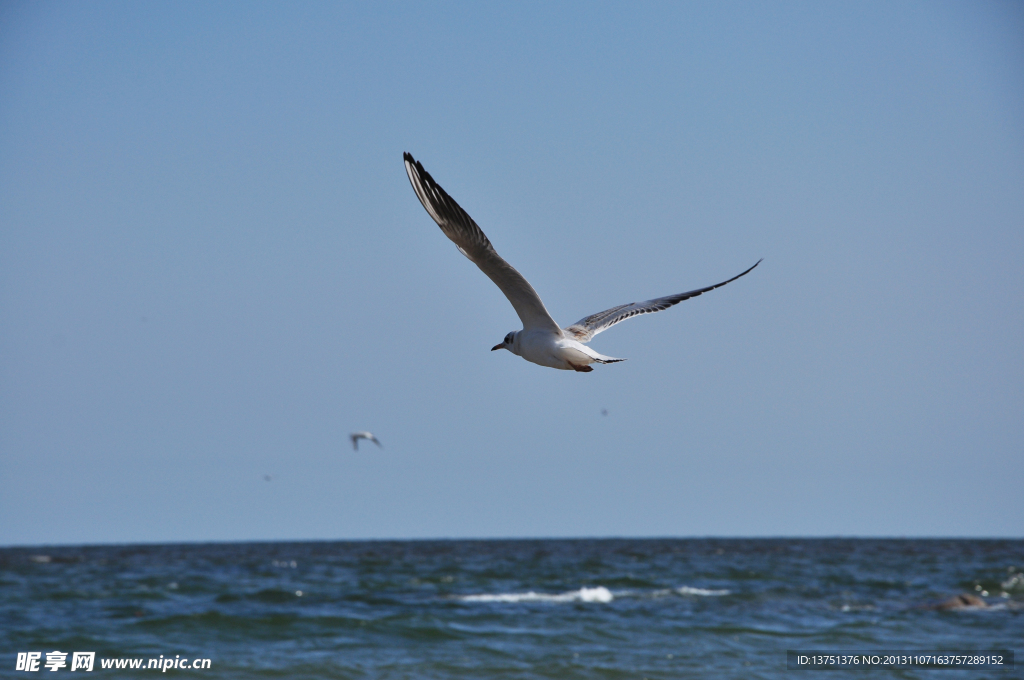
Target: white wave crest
x,y
598,594
703,592
1015,582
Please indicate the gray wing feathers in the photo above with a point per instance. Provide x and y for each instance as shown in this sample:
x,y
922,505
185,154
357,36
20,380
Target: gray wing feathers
x,y
356,436
586,328
458,226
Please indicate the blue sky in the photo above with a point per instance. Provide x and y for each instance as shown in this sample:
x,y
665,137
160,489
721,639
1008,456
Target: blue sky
x,y
212,269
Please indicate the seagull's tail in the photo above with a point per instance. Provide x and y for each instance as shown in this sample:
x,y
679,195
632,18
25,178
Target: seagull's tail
x,y
602,359
594,356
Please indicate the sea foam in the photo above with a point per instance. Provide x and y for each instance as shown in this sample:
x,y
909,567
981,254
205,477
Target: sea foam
x,y
598,594
703,592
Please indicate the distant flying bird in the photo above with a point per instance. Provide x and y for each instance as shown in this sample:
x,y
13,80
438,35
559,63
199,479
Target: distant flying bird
x,y
267,477
356,436
541,341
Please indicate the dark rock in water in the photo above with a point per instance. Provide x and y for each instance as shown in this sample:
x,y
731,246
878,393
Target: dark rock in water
x,y
962,601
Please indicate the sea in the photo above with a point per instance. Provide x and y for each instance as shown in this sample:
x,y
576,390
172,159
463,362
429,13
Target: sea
x,y
586,608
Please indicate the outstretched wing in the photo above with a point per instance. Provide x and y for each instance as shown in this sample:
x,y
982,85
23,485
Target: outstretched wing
x,y
458,226
586,328
356,436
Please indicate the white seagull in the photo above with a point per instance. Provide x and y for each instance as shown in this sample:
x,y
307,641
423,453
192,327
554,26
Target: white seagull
x,y
541,341
356,436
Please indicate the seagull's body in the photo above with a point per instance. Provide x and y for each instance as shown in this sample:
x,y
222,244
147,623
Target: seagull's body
x,y
541,341
555,349
356,436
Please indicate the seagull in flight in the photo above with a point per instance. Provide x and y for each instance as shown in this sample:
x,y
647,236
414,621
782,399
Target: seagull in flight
x,y
541,341
356,436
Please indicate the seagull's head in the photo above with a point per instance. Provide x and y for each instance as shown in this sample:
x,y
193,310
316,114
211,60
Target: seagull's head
x,y
506,343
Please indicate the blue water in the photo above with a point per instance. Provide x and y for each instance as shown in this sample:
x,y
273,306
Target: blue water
x,y
673,608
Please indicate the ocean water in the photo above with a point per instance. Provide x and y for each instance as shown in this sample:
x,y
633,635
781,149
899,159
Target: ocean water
x,y
670,608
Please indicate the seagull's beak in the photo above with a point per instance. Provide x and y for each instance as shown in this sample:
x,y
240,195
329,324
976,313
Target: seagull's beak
x,y
498,346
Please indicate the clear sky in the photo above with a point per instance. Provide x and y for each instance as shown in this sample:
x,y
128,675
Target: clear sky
x,y
213,268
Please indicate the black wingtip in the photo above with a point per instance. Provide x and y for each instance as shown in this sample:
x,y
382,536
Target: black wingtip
x,y
423,174
407,157
748,271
